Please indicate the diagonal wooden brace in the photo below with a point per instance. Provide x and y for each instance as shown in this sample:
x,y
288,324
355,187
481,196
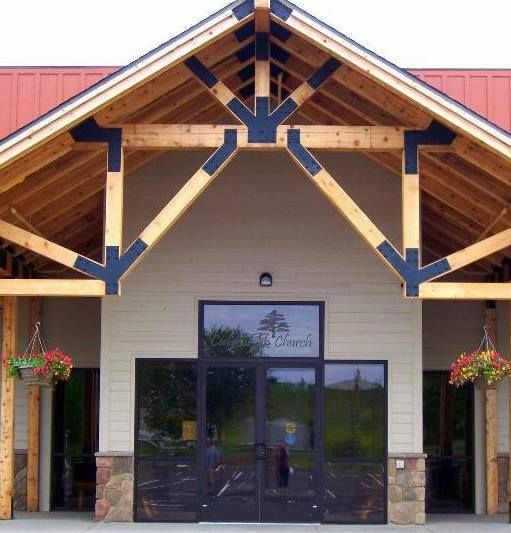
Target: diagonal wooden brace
x,y
262,125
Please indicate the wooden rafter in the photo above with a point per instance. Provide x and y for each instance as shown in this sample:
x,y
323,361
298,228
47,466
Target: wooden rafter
x,y
152,65
342,99
397,82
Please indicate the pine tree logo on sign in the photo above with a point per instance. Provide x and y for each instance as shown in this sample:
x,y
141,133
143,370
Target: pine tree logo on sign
x,y
274,332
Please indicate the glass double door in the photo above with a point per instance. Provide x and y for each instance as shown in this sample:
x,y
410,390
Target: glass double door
x,y
259,443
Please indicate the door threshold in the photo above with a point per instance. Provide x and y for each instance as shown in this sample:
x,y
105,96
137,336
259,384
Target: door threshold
x,y
260,523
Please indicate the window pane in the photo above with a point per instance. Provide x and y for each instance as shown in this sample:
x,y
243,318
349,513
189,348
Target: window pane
x,y
166,477
355,462
354,492
167,400
447,416
166,490
354,410
448,440
290,466
248,330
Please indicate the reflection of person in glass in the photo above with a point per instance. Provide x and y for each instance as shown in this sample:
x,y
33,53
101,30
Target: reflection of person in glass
x,y
213,462
282,468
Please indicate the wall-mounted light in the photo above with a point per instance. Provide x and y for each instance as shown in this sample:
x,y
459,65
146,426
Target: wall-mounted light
x,y
265,280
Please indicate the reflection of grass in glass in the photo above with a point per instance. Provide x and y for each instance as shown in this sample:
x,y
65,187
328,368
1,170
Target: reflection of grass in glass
x,y
354,422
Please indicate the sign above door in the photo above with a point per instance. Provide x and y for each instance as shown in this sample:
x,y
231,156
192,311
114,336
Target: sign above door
x,y
260,329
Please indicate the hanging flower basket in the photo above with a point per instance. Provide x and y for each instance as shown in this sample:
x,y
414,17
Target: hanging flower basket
x,y
38,365
484,367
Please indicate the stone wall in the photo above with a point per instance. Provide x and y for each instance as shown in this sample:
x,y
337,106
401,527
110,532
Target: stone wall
x,y
114,487
503,465
20,480
407,489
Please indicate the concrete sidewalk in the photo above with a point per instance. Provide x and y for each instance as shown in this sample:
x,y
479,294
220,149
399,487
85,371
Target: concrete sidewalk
x,y
82,522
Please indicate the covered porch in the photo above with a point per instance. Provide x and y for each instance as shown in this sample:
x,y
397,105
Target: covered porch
x,y
243,94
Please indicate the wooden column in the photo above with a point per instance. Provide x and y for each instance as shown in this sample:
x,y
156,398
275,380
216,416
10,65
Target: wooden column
x,y
34,403
114,193
7,409
411,207
507,279
262,49
492,481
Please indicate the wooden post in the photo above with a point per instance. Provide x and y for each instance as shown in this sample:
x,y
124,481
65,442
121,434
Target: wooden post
x,y
34,402
492,482
7,410
262,50
114,193
507,278
411,208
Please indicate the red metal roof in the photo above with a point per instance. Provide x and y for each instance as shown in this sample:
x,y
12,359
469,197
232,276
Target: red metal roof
x,y
487,92
26,93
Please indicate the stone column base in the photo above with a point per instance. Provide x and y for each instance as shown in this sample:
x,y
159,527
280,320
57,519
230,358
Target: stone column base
x,y
407,488
114,487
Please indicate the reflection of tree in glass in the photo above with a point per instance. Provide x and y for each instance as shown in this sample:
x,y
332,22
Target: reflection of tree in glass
x,y
274,323
167,396
230,399
222,341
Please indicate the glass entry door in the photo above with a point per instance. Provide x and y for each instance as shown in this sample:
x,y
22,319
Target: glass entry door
x,y
259,443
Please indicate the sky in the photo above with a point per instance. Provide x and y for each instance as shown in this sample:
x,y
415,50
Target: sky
x,y
436,33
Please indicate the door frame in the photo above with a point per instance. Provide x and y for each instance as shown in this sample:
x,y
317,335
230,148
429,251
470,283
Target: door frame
x,y
260,367
201,364
94,370
472,433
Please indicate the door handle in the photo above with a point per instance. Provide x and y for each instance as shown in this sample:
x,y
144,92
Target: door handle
x,y
260,451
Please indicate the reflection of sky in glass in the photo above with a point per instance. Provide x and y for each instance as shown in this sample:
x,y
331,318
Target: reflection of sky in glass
x,y
369,372
292,375
303,320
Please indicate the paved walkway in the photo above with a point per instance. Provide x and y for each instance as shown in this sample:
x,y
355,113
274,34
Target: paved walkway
x,y
82,522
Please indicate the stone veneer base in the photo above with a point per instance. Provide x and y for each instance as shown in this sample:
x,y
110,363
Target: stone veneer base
x,y
114,487
407,489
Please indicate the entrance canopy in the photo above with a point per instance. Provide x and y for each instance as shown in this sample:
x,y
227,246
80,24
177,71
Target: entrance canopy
x,y
257,75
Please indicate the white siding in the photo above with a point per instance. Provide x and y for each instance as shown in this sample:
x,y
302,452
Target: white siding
x,y
261,215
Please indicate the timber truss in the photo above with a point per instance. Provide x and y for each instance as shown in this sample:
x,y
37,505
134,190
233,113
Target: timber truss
x,y
264,127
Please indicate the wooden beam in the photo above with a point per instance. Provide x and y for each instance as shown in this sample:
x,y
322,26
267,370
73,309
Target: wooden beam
x,y
508,325
346,138
217,56
411,203
480,250
345,205
114,195
355,81
185,198
262,50
9,327
398,82
37,244
125,81
52,287
491,429
34,402
342,138
437,290
170,136
23,167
